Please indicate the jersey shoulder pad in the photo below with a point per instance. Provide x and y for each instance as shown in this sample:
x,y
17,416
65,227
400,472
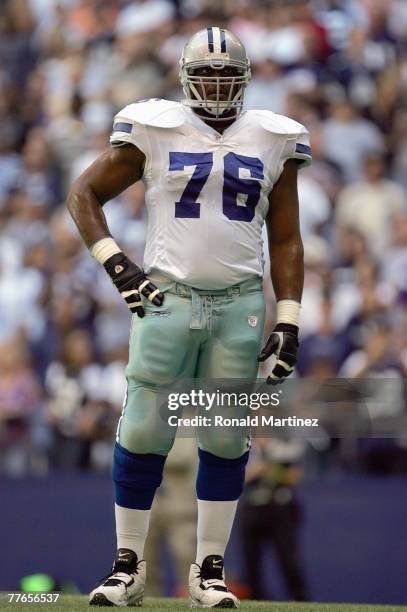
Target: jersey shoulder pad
x,y
154,112
277,124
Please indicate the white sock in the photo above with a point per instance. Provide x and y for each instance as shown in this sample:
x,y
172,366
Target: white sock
x,y
132,529
215,520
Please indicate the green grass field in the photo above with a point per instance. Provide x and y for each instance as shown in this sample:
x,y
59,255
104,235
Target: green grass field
x,y
68,603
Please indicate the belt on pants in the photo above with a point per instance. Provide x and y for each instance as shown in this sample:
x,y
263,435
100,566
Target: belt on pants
x,y
202,299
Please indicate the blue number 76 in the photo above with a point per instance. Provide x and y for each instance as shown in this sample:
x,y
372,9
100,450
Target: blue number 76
x,y
188,206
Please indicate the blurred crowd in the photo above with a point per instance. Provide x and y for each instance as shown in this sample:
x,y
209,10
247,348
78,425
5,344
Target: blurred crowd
x,y
66,67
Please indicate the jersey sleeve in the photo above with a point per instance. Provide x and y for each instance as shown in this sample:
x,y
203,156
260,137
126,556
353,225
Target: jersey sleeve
x,y
290,139
302,150
126,130
296,146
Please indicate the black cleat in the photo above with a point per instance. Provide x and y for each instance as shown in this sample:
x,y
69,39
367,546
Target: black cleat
x,y
125,585
207,587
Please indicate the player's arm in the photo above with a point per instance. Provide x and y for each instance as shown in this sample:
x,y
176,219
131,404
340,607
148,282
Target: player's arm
x,y
112,172
287,271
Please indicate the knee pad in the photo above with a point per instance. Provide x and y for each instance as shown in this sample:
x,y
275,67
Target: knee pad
x,y
220,479
136,477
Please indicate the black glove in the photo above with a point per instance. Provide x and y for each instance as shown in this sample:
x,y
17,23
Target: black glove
x,y
131,281
283,342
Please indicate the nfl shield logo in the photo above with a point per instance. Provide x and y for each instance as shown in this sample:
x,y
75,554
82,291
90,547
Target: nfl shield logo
x,y
252,321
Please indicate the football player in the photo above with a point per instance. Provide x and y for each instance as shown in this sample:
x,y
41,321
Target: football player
x,y
213,174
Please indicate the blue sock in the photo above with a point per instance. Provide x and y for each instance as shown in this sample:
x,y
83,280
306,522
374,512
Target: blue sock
x,y
136,477
220,479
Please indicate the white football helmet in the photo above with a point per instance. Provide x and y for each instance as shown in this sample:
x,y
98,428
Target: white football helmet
x,y
215,48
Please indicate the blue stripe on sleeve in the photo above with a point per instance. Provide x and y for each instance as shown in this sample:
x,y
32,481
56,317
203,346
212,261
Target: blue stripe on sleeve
x,y
210,40
304,149
122,127
222,41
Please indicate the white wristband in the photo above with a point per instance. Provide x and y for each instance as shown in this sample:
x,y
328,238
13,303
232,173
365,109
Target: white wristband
x,y
288,311
103,249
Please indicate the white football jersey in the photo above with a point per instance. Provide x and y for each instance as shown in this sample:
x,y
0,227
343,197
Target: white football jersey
x,y
207,193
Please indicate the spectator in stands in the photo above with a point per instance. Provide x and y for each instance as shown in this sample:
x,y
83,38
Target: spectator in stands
x,y
378,355
80,408
348,138
370,204
395,256
20,406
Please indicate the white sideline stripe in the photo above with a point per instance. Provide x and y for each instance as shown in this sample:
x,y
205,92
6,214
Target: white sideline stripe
x,y
123,409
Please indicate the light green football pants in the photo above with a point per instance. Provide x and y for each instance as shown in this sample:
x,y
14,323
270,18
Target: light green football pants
x,y
195,334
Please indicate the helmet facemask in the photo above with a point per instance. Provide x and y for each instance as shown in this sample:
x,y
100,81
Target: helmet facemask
x,y
221,97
